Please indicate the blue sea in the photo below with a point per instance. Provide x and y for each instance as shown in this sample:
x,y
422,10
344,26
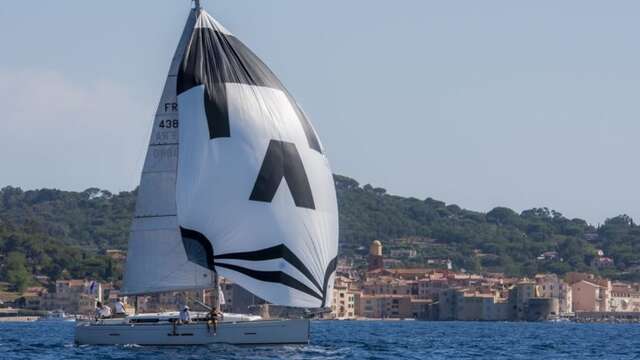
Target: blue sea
x,y
358,340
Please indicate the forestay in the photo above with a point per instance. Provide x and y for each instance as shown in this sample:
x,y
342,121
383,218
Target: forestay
x,y
253,194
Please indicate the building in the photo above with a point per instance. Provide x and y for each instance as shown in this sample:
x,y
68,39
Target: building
x,y
391,263
540,309
344,300
403,253
238,300
448,300
624,298
73,296
403,273
32,298
430,287
588,296
602,262
423,309
551,286
385,306
387,285
375,261
519,296
464,305
549,255
440,263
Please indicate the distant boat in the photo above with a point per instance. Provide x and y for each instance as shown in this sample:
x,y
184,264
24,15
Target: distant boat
x,y
235,183
57,315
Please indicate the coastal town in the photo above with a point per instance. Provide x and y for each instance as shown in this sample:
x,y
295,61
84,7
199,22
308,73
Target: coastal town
x,y
380,290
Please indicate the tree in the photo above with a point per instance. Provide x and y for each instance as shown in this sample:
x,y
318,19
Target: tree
x,y
16,271
503,216
63,234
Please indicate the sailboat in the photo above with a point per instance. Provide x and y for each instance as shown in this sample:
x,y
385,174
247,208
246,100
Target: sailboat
x,y
236,184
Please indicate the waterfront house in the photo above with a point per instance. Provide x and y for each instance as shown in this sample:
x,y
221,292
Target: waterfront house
x,y
589,296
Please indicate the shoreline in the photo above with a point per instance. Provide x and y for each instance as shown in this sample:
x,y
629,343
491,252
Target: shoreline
x,y
19,319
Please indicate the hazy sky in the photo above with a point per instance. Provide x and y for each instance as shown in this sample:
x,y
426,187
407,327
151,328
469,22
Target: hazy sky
x,y
478,103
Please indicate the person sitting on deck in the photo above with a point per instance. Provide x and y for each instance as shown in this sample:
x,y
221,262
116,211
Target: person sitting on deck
x,y
102,311
121,310
98,311
185,315
213,317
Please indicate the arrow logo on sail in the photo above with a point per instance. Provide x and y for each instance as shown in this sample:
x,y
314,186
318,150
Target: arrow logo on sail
x,y
283,161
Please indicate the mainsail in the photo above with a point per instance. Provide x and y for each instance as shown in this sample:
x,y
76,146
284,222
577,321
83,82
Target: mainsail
x,y
235,181
156,260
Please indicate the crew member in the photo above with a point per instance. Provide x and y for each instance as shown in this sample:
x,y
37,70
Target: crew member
x,y
213,317
121,310
102,311
98,311
185,315
105,312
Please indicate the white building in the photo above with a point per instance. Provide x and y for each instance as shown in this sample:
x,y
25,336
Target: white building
x,y
403,253
624,298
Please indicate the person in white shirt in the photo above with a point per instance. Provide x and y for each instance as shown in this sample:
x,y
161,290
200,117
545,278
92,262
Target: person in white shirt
x,y
121,310
98,311
105,313
102,311
185,315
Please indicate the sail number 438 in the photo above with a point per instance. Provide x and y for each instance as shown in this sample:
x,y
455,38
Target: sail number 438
x,y
169,124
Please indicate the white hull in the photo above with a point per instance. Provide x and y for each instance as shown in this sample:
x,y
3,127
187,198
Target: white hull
x,y
239,333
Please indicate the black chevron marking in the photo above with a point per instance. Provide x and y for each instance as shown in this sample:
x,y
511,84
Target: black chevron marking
x,y
197,247
282,160
275,252
331,268
273,277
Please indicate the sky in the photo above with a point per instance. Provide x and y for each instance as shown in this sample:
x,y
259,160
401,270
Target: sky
x,y
476,103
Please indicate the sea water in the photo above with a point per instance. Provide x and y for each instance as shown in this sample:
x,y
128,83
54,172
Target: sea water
x,y
357,340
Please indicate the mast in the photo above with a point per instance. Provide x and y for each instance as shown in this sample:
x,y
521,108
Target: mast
x,y
216,291
216,280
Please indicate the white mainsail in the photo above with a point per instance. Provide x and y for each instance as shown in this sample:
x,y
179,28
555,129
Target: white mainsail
x,y
253,191
157,260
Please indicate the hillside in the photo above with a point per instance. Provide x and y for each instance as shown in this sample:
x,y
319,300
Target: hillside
x,y
63,233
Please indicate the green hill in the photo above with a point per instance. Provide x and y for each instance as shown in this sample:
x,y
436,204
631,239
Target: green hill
x,y
63,233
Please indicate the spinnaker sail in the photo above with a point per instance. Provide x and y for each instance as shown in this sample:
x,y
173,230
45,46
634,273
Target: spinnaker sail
x,y
246,186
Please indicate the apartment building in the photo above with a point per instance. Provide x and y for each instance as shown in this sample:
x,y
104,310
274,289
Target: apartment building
x,y
589,296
